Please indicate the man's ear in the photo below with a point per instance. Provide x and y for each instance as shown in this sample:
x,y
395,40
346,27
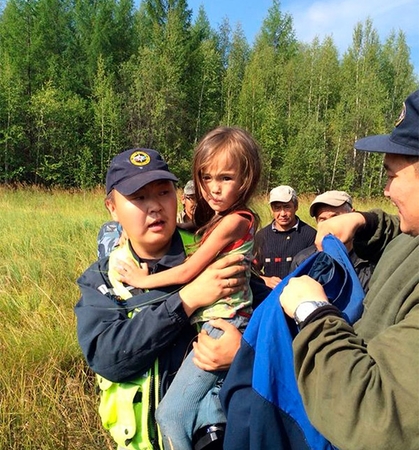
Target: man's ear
x,y
110,205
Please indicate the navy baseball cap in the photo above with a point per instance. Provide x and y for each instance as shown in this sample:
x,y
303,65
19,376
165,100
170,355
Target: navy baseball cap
x,y
133,169
404,140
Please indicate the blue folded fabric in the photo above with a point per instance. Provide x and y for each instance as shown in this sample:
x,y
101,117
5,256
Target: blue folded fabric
x,y
260,396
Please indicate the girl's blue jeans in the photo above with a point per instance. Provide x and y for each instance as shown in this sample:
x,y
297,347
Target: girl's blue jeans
x,y
191,401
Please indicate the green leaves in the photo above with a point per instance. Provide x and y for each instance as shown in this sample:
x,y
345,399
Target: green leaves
x,y
82,81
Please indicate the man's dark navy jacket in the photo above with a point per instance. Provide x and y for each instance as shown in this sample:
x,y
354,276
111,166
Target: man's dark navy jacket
x,y
260,396
121,349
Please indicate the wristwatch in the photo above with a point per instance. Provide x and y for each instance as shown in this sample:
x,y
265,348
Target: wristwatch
x,y
304,309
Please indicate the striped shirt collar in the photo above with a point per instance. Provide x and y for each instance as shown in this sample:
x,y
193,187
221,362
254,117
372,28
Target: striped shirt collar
x,y
295,227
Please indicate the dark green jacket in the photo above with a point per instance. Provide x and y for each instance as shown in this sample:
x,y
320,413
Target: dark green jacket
x,y
360,385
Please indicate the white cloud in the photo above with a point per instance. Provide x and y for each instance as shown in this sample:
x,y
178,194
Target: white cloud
x,y
338,18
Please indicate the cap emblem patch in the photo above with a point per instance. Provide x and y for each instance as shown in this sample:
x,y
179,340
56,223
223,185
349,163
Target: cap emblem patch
x,y
139,158
402,116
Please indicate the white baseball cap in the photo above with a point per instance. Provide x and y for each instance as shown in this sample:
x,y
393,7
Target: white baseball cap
x,y
282,194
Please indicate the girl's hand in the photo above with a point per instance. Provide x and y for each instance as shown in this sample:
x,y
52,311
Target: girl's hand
x,y
130,273
271,282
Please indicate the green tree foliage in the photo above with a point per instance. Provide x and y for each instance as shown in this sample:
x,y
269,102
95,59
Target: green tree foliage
x,y
313,92
17,36
203,85
396,72
156,79
264,101
11,126
364,101
107,122
102,29
82,80
235,65
55,116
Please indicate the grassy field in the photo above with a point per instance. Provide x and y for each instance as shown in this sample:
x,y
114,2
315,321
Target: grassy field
x,y
47,394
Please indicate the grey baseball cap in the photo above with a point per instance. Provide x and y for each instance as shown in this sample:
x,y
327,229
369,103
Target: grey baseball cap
x,y
331,198
189,188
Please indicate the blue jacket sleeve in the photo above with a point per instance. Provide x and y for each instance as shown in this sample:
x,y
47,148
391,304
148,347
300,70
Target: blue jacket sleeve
x,y
116,346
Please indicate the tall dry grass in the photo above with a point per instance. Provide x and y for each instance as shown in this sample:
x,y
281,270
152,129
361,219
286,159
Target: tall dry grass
x,y
47,398
47,239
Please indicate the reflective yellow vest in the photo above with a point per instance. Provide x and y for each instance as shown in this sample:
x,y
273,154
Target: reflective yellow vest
x,y
127,409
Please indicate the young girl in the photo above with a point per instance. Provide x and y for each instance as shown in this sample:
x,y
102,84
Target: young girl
x,y
226,167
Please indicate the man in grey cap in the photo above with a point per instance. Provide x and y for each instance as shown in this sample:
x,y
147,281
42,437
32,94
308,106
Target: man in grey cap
x,y
359,383
277,243
323,207
185,217
330,204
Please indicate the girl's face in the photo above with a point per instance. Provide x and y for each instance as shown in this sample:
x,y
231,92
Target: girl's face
x,y
221,184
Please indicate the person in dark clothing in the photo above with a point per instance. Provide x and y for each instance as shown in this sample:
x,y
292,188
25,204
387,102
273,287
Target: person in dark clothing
x,y
323,207
278,243
123,331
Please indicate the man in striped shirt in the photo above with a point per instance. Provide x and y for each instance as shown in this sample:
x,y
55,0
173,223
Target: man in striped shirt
x,y
278,243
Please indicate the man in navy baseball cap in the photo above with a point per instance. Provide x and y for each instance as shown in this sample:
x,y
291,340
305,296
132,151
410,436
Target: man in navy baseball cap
x,y
128,335
133,169
377,357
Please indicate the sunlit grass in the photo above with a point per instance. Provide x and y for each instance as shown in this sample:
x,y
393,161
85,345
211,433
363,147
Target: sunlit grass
x,y
47,395
48,238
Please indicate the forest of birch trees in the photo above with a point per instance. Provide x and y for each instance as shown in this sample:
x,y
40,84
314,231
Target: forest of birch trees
x,y
82,80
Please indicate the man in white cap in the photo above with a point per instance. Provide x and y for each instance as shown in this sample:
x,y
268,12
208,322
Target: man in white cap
x,y
277,243
359,383
323,207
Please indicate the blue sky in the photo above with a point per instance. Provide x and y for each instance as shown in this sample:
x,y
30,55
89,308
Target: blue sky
x,y
336,18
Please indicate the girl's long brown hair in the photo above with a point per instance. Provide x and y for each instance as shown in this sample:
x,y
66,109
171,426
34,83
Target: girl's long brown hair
x,y
239,146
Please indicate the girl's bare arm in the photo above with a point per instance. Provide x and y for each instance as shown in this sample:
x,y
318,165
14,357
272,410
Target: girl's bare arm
x,y
229,229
